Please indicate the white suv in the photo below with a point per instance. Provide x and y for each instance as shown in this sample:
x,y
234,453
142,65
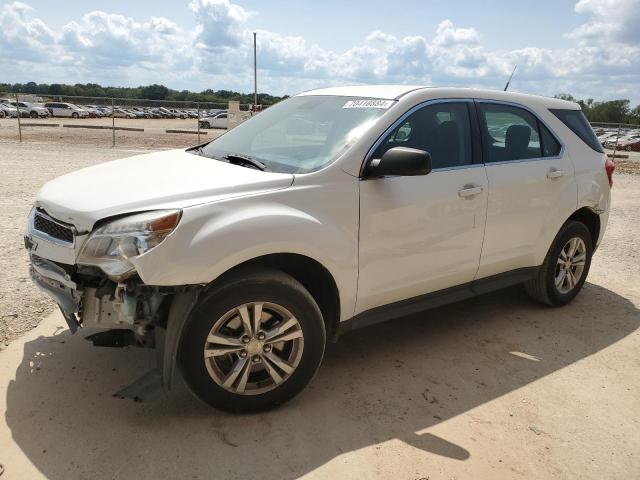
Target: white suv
x,y
334,209
58,109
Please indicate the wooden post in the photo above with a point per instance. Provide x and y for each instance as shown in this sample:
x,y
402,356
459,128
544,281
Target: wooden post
x,y
19,123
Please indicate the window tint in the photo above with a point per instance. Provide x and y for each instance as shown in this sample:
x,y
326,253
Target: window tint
x,y
550,146
442,129
510,133
577,122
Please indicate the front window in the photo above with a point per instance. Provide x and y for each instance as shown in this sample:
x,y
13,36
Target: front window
x,y
301,134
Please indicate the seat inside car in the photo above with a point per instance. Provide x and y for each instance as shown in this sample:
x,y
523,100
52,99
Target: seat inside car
x,y
516,143
448,145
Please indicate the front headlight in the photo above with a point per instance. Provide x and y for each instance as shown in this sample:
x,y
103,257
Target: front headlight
x,y
111,246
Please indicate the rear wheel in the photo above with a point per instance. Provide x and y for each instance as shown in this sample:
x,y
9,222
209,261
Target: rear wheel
x,y
253,342
33,114
565,267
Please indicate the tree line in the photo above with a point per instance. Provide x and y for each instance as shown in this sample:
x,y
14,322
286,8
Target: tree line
x,y
146,92
611,111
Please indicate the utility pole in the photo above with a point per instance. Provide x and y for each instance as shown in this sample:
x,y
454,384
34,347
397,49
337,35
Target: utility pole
x,y
255,73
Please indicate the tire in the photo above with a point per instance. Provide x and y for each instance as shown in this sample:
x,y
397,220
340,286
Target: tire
x,y
2,114
544,287
284,301
75,115
33,114
628,149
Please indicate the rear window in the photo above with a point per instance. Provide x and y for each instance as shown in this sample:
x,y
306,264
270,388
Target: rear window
x,y
577,122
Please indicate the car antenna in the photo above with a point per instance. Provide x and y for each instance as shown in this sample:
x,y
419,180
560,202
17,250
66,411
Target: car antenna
x,y
509,81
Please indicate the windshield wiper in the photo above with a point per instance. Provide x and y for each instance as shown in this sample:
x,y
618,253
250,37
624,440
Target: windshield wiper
x,y
246,161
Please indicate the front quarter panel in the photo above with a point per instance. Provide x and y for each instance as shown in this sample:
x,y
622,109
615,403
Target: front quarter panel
x,y
316,217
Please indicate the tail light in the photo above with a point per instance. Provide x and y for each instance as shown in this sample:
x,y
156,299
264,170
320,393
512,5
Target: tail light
x,y
609,167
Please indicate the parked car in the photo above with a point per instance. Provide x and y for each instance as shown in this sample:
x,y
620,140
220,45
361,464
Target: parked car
x,y
8,111
166,113
23,111
122,113
606,136
631,144
238,259
93,110
59,109
219,120
32,110
616,142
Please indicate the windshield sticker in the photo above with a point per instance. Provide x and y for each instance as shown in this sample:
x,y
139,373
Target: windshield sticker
x,y
368,104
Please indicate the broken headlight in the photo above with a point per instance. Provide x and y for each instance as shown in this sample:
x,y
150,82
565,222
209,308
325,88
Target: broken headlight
x,y
111,246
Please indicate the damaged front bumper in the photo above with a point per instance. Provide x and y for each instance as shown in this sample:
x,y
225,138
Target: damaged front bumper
x,y
129,314
56,282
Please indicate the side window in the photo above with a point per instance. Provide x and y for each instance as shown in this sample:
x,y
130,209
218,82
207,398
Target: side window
x,y
577,122
442,129
550,146
510,133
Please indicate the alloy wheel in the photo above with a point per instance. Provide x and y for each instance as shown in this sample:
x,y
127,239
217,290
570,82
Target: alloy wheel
x,y
570,265
253,348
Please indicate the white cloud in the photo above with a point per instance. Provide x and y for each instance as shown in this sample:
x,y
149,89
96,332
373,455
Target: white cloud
x,y
447,34
613,20
23,37
115,40
219,23
108,48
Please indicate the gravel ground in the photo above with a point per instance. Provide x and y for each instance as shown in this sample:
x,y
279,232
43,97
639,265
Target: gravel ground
x,y
153,137
24,169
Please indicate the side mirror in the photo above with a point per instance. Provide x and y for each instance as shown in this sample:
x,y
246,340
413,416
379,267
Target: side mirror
x,y
400,161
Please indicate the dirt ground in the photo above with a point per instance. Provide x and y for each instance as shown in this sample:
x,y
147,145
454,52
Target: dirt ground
x,y
497,387
153,137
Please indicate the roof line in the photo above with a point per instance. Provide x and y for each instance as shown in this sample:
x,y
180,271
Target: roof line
x,y
410,91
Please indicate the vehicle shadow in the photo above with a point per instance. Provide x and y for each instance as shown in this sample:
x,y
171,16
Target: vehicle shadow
x,y
387,382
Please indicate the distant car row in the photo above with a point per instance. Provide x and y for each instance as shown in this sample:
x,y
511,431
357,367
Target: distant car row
x,y
628,140
12,109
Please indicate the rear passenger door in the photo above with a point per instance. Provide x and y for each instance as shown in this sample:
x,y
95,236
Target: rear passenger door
x,y
424,233
531,187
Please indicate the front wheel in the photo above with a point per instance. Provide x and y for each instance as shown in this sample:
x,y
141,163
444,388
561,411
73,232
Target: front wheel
x,y
253,342
75,115
565,267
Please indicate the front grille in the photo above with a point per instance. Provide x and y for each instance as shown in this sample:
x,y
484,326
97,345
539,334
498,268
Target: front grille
x,y
54,229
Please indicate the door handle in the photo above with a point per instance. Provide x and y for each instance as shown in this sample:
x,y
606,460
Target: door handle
x,y
469,191
554,173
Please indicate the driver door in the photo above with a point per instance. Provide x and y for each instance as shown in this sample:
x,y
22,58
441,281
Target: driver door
x,y
421,234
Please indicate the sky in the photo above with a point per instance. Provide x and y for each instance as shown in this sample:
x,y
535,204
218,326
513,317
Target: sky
x,y
590,48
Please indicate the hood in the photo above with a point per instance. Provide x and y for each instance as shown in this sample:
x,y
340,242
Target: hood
x,y
168,179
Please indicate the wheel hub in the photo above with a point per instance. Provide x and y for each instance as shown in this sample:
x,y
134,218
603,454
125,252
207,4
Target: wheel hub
x,y
254,347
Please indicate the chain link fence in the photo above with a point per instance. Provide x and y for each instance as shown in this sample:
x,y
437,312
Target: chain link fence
x,y
122,122
619,137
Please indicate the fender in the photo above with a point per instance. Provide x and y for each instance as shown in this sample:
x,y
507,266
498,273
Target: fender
x,y
214,238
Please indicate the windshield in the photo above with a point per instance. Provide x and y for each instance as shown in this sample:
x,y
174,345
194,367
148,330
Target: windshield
x,y
301,134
